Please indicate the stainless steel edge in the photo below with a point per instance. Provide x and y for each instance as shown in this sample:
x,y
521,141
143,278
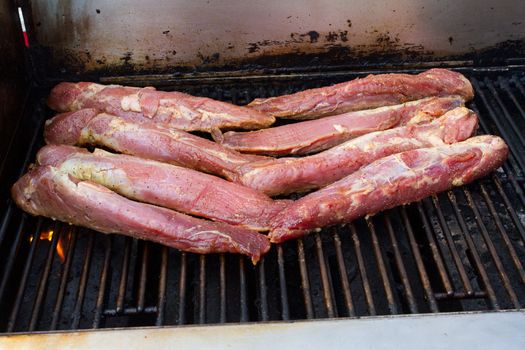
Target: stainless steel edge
x,y
484,330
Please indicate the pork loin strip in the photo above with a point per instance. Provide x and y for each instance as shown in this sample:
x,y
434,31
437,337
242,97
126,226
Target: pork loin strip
x,y
49,192
287,175
369,92
391,181
146,140
166,185
170,109
320,134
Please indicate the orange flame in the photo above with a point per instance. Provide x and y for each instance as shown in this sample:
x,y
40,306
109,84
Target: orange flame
x,y
47,235
61,249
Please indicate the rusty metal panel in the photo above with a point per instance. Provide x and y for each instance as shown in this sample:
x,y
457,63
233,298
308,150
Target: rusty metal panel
x,y
165,35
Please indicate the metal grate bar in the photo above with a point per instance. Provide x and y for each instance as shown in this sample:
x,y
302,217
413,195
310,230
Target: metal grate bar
x,y
452,247
124,275
143,277
77,312
362,271
285,311
347,293
382,268
435,251
419,262
460,296
42,284
161,298
130,311
505,86
202,289
182,288
6,218
242,287
304,279
8,269
518,84
401,267
501,229
501,129
505,111
472,247
222,272
263,307
505,167
325,278
21,289
514,216
102,284
72,240
489,244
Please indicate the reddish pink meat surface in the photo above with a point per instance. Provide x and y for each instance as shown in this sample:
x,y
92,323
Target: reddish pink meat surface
x,y
369,92
169,109
166,185
287,175
320,134
147,140
391,181
49,192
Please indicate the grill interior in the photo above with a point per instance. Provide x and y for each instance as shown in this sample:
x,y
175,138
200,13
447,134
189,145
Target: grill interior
x,y
462,250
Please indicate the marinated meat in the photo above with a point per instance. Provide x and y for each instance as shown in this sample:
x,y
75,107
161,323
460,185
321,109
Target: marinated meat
x,y
369,92
49,192
166,185
147,140
169,109
287,175
391,181
317,135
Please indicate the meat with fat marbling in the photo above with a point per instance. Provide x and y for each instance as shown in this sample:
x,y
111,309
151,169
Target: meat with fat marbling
x,y
287,175
49,192
317,135
391,181
166,185
170,109
369,92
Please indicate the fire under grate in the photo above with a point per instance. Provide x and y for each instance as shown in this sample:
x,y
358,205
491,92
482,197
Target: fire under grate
x,y
462,250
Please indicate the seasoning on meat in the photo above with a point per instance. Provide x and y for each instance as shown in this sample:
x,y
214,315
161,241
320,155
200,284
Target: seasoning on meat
x,y
320,134
169,109
147,140
391,181
369,92
49,192
287,175
166,185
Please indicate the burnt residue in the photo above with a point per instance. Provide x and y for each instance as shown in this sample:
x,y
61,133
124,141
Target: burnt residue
x,y
127,57
386,40
253,47
205,59
299,50
333,37
314,36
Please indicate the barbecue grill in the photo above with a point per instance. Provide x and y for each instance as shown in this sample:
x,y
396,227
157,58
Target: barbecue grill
x,y
459,254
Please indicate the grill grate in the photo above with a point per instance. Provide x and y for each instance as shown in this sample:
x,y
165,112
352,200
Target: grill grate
x,y
461,250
